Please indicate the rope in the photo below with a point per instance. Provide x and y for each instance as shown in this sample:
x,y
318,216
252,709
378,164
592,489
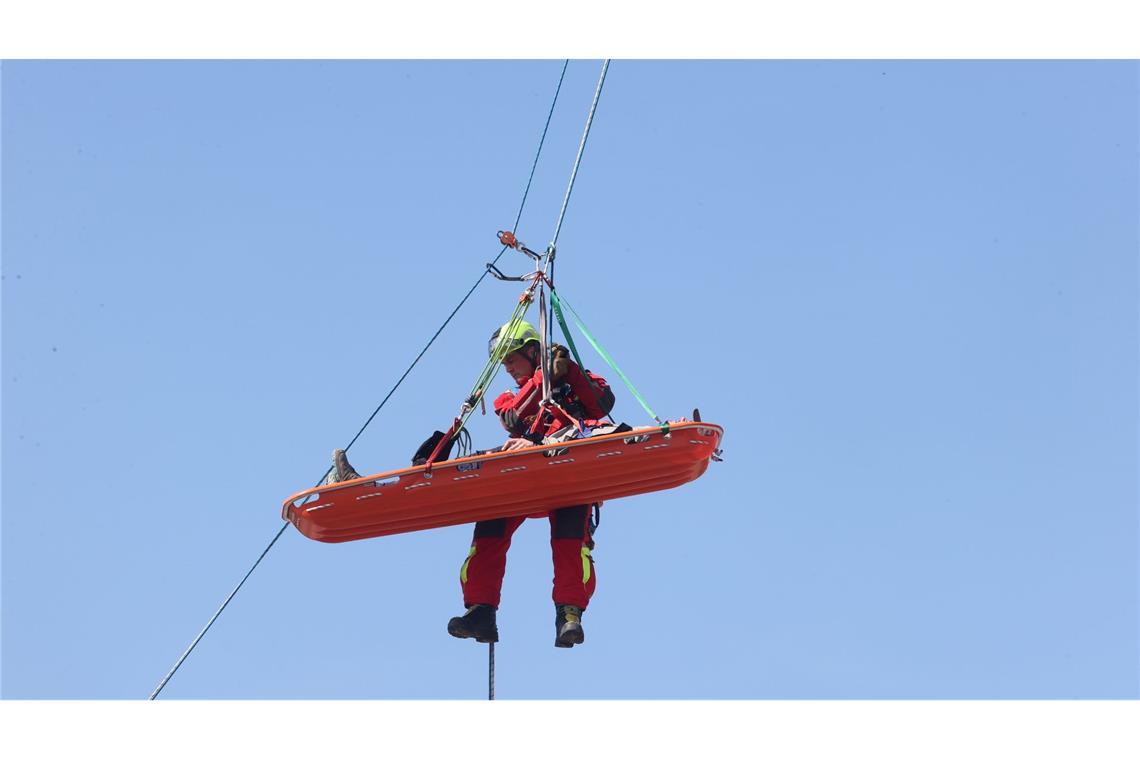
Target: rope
x,y
522,205
544,345
491,671
233,593
581,148
491,368
518,216
540,142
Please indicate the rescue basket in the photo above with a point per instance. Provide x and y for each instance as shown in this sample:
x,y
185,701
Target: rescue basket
x,y
505,483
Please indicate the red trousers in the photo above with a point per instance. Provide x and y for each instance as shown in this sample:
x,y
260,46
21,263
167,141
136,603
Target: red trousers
x,y
481,576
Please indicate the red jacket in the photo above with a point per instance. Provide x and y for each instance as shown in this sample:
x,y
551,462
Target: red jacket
x,y
583,401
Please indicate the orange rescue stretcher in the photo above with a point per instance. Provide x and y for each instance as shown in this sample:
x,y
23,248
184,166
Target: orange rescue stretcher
x,y
505,483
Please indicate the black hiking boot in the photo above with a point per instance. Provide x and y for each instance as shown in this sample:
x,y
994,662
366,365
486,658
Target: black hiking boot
x,y
342,470
568,625
477,623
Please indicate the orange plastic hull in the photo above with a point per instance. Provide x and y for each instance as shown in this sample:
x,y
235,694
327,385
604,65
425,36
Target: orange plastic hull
x,y
505,484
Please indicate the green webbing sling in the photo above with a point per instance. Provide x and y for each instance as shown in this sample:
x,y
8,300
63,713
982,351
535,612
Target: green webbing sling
x,y
492,366
557,302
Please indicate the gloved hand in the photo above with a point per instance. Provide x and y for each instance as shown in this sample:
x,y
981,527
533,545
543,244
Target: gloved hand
x,y
559,363
513,424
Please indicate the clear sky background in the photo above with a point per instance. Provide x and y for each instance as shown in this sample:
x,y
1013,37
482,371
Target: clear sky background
x,y
908,290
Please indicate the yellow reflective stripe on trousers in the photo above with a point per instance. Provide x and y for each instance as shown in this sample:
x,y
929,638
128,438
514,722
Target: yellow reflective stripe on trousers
x,y
466,562
585,564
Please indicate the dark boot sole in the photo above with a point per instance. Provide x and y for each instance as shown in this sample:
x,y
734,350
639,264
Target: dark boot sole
x,y
461,632
569,638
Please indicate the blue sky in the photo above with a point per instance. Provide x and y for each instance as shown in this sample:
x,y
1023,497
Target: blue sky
x,y
908,290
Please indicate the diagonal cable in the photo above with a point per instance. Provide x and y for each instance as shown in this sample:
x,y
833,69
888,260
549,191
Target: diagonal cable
x,y
486,271
162,683
581,149
522,205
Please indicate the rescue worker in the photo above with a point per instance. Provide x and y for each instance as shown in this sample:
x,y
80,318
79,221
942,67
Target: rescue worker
x,y
581,400
583,397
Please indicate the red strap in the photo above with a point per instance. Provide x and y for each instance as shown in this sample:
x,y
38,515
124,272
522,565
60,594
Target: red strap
x,y
439,446
534,426
554,409
565,416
